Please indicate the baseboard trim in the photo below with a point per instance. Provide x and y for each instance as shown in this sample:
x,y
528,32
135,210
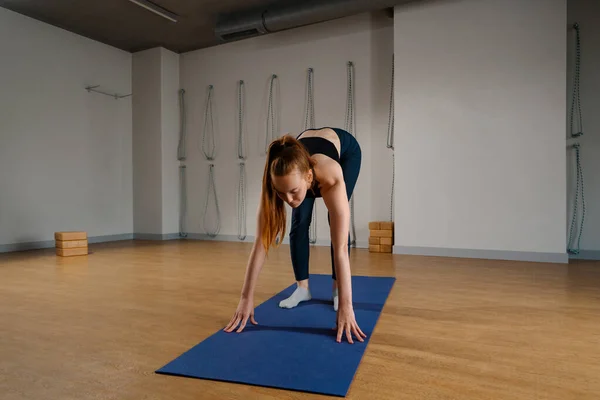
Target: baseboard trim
x,y
589,255
46,244
250,239
218,238
156,236
561,258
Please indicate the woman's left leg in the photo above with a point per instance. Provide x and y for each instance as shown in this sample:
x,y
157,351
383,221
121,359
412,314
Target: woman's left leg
x,y
300,252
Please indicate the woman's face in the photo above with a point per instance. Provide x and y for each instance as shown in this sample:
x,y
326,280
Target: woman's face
x,y
292,187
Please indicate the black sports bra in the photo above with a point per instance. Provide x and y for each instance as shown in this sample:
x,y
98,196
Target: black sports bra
x,y
319,145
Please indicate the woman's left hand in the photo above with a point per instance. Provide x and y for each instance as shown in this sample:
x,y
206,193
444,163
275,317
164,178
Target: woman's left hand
x,y
346,322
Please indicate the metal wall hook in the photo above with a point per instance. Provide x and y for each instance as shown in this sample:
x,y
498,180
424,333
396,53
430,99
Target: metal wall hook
x,y
115,95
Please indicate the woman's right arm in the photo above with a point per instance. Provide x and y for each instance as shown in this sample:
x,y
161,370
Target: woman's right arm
x,y
245,309
256,260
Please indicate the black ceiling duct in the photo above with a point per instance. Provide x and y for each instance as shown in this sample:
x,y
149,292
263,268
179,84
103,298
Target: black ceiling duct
x,y
240,25
287,15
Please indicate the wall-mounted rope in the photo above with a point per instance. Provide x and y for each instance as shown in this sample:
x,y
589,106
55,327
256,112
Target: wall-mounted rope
x,y
576,132
349,127
309,123
241,189
208,133
242,202
390,141
575,100
579,186
181,156
181,151
272,121
208,139
309,118
241,145
182,201
212,189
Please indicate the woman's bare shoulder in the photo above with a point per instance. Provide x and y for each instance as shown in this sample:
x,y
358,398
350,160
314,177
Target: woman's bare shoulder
x,y
327,171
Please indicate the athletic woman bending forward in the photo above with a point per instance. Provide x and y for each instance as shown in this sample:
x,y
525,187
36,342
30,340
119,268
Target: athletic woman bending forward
x,y
319,163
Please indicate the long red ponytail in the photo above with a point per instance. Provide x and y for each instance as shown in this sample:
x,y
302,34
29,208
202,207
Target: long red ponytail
x,y
284,155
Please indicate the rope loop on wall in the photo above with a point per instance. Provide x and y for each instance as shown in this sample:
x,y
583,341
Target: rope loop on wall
x,y
208,133
272,125
212,189
241,189
181,156
575,100
241,202
578,192
350,127
208,139
241,144
576,132
390,141
309,123
181,151
309,119
182,201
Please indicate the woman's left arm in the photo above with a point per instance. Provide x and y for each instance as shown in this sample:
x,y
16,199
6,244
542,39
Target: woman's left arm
x,y
336,201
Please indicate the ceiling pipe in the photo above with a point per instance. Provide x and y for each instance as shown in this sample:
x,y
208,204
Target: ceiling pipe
x,y
287,15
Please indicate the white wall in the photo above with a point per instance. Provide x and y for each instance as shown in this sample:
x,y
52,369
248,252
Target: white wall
x,y
170,141
480,127
147,150
364,39
585,13
65,154
155,140
481,110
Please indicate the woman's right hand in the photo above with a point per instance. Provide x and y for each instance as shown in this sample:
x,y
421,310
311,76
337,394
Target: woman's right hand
x,y
245,310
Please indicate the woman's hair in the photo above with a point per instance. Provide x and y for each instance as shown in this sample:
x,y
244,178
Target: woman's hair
x,y
284,155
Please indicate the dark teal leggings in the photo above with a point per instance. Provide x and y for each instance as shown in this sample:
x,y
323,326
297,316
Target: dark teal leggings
x,y
350,160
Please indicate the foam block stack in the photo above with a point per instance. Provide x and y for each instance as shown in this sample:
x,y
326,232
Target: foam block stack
x,y
70,244
381,237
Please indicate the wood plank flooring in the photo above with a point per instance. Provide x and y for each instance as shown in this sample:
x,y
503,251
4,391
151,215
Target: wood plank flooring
x,y
97,327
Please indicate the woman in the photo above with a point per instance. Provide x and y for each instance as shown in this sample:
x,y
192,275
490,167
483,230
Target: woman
x,y
319,163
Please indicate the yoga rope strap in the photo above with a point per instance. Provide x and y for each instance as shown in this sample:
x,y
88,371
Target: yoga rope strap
x,y
349,126
181,146
576,101
242,203
309,120
309,123
182,201
272,127
181,156
241,200
208,128
575,133
212,189
579,186
390,142
241,113
208,136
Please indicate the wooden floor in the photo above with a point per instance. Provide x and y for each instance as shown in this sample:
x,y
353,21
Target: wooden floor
x,y
97,327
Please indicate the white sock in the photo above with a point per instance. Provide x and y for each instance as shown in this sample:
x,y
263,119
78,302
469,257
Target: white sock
x,y
300,294
335,299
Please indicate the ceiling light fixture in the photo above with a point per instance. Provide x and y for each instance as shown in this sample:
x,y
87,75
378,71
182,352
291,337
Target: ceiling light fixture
x,y
158,10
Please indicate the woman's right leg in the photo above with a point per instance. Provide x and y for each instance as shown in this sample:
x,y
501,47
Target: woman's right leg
x,y
300,252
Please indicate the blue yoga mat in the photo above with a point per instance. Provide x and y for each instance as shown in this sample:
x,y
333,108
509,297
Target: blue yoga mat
x,y
293,349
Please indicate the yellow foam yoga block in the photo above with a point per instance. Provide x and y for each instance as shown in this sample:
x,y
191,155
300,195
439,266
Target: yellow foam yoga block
x,y
70,235
71,243
76,251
